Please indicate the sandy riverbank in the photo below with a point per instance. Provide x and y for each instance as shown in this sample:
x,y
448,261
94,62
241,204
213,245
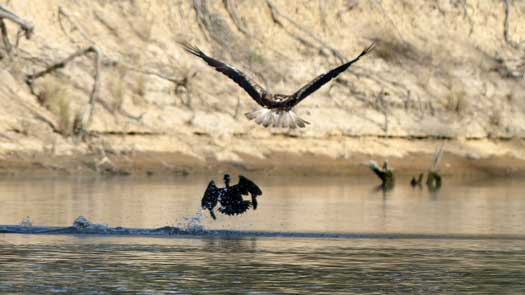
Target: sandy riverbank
x,y
275,156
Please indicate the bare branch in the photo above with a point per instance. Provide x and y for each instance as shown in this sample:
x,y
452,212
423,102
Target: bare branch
x,y
506,25
24,25
87,115
5,37
438,155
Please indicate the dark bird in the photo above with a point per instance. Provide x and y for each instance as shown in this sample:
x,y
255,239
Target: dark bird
x,y
277,108
230,197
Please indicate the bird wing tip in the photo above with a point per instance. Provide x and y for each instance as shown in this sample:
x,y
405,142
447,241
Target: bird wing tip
x,y
190,48
370,47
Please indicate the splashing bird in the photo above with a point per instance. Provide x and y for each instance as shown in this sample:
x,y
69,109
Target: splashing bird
x,y
229,197
277,108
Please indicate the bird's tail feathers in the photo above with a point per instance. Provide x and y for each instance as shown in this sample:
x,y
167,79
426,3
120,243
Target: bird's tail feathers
x,y
277,118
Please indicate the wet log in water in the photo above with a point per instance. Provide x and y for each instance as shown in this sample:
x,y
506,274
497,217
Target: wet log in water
x,y
385,173
434,179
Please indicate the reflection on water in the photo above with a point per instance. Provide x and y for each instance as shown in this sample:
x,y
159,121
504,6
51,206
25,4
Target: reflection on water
x,y
105,265
297,204
45,264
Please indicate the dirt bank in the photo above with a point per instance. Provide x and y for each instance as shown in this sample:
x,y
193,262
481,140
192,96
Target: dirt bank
x,y
441,70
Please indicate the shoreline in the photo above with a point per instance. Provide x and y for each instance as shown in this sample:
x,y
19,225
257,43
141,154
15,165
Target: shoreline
x,y
273,156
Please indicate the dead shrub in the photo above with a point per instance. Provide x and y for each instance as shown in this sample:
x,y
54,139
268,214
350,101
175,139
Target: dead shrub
x,y
392,50
456,101
117,89
55,97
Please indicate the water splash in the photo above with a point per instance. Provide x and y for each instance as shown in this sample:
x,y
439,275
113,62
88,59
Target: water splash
x,y
83,224
193,223
191,226
26,222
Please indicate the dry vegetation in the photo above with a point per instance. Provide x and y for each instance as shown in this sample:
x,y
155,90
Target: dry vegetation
x,y
433,61
55,97
116,83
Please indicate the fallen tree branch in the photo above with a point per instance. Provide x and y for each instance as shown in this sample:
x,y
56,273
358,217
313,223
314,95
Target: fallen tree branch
x,y
5,37
26,26
87,115
385,173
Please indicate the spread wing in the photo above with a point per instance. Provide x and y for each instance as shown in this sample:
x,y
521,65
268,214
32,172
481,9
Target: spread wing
x,y
316,83
247,186
253,89
210,198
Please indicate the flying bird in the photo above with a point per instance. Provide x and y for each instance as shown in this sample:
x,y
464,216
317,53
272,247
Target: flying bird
x,y
277,108
229,197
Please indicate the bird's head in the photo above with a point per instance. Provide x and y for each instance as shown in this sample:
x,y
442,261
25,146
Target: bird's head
x,y
227,180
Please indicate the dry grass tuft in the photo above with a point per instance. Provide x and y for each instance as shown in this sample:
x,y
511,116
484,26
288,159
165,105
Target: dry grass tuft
x,y
393,50
139,90
117,89
496,118
456,101
55,97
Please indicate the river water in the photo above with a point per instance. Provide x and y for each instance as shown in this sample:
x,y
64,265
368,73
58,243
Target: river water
x,y
468,237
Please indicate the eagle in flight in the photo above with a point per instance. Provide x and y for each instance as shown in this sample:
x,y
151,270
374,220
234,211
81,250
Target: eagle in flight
x,y
277,108
230,197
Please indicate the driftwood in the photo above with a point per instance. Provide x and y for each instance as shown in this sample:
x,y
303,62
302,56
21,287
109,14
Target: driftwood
x,y
434,179
26,27
106,166
417,181
87,115
385,173
64,15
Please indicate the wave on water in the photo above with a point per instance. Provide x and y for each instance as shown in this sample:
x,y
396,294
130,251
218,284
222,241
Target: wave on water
x,y
192,227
